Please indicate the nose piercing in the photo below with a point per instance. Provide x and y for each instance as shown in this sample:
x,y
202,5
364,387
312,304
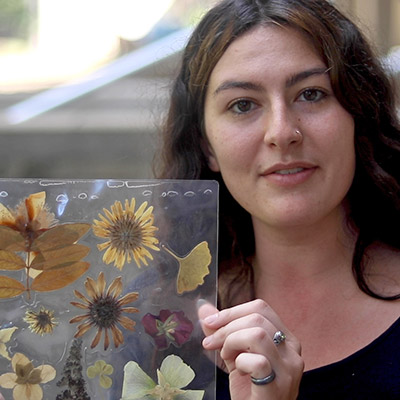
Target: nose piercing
x,y
298,132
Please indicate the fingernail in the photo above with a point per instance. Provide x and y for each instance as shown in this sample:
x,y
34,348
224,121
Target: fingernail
x,y
201,302
211,318
207,341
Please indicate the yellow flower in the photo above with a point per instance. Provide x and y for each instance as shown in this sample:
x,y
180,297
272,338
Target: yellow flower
x,y
40,322
5,336
104,310
128,233
101,369
26,380
30,217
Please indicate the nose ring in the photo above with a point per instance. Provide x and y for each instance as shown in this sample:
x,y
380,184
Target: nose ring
x,y
298,132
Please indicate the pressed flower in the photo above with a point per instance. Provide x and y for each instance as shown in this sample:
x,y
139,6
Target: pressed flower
x,y
168,327
30,217
104,310
101,369
26,379
5,336
129,233
172,377
40,322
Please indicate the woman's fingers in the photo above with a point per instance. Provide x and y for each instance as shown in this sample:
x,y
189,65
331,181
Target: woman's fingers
x,y
205,310
221,318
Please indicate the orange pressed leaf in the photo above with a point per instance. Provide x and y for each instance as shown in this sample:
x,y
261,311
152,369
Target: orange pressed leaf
x,y
11,239
10,287
58,278
60,236
10,261
60,258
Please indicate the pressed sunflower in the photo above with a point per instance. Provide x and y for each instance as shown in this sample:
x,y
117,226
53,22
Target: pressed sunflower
x,y
129,232
30,217
40,322
104,310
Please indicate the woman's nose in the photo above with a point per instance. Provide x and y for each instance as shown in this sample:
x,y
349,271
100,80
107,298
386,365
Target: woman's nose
x,y
281,132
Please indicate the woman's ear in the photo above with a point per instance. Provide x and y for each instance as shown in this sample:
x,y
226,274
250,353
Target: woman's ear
x,y
209,153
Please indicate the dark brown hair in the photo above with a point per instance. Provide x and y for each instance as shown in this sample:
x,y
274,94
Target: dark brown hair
x,y
359,83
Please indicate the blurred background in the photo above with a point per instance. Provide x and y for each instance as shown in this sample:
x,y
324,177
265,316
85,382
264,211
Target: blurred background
x,y
84,83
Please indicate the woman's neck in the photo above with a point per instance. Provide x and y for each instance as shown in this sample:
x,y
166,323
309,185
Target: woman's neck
x,y
296,257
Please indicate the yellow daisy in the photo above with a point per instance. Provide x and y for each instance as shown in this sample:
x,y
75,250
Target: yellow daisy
x,y
129,232
40,322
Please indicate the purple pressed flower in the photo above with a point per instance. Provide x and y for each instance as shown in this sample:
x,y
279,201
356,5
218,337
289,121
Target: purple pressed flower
x,y
168,327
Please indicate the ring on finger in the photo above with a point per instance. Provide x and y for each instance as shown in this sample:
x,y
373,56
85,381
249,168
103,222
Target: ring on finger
x,y
264,381
279,337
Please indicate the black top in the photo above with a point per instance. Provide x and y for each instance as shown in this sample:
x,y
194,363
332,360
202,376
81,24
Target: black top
x,y
370,373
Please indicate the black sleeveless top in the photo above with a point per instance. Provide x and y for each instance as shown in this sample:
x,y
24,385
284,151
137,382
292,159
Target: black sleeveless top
x,y
372,373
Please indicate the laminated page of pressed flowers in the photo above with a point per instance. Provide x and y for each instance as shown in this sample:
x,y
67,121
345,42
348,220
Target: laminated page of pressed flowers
x,y
99,283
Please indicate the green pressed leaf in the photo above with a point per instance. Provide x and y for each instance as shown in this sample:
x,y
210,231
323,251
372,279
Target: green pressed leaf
x,y
60,258
136,383
11,240
10,261
190,395
60,236
10,287
176,372
55,279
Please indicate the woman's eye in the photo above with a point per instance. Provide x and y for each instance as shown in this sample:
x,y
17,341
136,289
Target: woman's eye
x,y
312,95
241,106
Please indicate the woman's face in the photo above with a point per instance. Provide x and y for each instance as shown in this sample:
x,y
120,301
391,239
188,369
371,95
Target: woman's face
x,y
269,84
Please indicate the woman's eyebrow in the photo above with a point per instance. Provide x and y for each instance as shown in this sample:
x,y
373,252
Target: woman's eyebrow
x,y
305,74
291,81
238,85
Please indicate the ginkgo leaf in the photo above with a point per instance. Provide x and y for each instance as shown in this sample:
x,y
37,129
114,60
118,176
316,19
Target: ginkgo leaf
x,y
60,236
60,257
10,287
58,278
192,268
136,382
10,261
11,239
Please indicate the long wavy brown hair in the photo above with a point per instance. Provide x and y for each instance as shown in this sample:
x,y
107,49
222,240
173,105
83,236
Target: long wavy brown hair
x,y
361,85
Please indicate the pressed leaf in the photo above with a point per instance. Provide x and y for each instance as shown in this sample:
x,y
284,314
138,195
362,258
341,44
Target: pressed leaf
x,y
59,258
10,287
10,261
11,239
58,278
60,236
193,268
136,383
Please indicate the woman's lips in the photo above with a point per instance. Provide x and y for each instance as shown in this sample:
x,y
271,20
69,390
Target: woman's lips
x,y
289,175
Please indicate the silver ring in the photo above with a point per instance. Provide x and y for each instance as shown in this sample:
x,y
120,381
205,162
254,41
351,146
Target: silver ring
x,y
279,337
297,132
264,381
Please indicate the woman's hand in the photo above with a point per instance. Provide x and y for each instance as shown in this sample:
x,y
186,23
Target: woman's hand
x,y
243,335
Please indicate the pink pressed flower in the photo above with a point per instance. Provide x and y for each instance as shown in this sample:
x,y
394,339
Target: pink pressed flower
x,y
168,327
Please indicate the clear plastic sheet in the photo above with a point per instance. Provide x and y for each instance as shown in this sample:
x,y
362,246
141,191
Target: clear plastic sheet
x,y
81,314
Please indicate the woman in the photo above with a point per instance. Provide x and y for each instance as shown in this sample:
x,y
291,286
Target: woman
x,y
284,103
